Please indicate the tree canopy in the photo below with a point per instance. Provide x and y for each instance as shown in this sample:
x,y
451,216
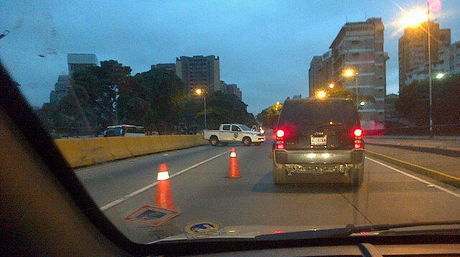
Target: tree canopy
x,y
413,102
105,95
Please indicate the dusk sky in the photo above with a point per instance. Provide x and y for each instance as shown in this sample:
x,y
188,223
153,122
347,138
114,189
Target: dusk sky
x,y
264,46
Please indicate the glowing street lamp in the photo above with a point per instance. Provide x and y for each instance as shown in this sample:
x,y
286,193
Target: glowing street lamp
x,y
200,92
349,73
321,94
440,75
331,85
413,18
277,105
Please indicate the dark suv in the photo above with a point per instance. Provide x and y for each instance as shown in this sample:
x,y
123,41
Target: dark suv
x,y
318,140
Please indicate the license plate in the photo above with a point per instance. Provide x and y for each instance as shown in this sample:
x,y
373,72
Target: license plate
x,y
315,141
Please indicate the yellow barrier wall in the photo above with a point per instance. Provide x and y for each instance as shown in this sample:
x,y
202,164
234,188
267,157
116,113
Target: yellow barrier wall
x,y
89,151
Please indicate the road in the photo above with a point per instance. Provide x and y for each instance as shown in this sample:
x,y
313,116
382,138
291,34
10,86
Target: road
x,y
202,193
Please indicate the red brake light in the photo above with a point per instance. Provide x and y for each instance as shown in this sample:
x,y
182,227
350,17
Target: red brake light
x,y
358,145
358,132
280,133
279,146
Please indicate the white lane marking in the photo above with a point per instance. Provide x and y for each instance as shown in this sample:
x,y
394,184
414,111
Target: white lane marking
x,y
126,197
416,178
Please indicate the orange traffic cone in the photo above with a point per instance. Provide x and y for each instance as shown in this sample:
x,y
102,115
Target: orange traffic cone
x,y
233,170
163,196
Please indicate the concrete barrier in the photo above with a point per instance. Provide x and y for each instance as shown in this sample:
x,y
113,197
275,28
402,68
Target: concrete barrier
x,y
90,151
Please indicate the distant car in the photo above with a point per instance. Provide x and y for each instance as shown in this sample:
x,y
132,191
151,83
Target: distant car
x,y
124,131
234,133
320,139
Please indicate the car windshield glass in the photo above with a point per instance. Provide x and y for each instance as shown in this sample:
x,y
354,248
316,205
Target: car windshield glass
x,y
114,132
245,128
354,109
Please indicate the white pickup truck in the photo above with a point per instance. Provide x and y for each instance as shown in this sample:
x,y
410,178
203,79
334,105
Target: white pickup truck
x,y
234,133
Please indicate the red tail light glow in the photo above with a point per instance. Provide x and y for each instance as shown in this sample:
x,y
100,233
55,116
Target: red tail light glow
x,y
280,133
358,132
280,146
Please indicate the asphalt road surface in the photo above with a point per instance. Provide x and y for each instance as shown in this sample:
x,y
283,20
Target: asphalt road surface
x,y
202,193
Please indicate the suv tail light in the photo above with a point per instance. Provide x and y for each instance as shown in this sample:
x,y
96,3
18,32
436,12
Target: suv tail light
x,y
358,133
280,133
279,139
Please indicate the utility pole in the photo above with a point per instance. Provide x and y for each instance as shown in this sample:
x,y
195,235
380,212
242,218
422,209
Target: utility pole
x,y
429,70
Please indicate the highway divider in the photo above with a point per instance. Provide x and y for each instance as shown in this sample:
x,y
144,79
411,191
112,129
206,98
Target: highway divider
x,y
81,152
438,175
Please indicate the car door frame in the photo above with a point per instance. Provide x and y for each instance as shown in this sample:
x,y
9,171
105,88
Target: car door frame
x,y
237,136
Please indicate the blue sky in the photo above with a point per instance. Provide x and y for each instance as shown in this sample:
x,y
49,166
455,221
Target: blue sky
x,y
264,46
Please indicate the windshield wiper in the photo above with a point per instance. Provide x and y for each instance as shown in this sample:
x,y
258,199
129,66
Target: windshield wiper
x,y
347,231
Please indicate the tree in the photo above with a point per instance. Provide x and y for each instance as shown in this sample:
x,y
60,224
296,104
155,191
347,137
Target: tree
x,y
91,102
413,102
221,108
226,108
154,99
269,116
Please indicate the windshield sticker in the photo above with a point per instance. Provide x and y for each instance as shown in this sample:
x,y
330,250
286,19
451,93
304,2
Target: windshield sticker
x,y
202,228
151,215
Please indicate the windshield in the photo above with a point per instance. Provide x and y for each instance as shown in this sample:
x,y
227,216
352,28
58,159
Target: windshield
x,y
386,151
244,128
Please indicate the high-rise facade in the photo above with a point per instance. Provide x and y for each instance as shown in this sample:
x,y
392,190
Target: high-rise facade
x,y
413,52
231,89
199,72
454,58
61,88
357,46
76,62
320,72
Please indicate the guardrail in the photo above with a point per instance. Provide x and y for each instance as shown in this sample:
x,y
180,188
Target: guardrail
x,y
438,130
81,152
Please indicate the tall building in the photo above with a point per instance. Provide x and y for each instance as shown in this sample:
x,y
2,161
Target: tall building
x,y
320,72
231,89
77,62
199,71
454,58
359,46
413,52
391,115
166,66
61,88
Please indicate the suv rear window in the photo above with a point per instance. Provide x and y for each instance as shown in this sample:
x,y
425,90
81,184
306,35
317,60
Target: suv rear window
x,y
313,113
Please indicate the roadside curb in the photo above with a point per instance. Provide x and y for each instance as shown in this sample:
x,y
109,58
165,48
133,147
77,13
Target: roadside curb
x,y
438,175
442,151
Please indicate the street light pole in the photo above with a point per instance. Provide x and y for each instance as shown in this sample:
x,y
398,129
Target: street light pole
x,y
429,70
356,90
204,100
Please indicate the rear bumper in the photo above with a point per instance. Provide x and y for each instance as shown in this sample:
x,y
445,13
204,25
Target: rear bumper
x,y
318,157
